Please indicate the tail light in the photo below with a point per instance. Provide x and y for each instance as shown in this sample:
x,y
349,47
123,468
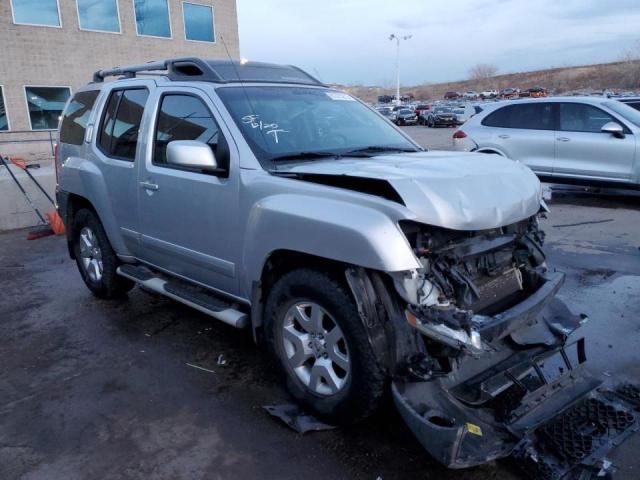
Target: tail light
x,y
56,164
458,134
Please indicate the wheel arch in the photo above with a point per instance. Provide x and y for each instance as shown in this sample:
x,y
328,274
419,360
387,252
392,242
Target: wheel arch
x,y
491,150
277,264
378,304
72,205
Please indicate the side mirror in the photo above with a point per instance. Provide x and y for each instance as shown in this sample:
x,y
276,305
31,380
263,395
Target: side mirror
x,y
614,129
191,154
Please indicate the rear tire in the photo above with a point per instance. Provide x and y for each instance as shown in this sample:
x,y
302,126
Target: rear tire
x,y
321,347
96,260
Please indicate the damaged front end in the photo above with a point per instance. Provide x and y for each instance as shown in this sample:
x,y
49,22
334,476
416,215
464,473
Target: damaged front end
x,y
481,365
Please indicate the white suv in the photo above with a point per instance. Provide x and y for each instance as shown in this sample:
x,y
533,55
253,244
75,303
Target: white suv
x,y
564,139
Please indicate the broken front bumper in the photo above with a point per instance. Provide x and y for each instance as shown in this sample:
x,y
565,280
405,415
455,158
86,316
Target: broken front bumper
x,y
526,395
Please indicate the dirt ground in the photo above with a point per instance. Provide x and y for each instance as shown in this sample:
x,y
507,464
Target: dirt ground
x,y
93,389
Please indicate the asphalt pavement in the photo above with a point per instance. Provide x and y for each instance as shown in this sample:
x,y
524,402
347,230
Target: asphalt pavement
x,y
144,388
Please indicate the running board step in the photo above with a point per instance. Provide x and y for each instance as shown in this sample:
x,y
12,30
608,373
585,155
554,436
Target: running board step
x,y
191,295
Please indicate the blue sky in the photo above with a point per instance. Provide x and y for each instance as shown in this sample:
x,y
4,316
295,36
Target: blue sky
x,y
346,41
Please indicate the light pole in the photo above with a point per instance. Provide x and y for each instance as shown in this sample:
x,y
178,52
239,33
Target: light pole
x,y
397,38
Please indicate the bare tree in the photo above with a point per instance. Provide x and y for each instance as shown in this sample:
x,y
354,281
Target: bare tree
x,y
630,75
482,71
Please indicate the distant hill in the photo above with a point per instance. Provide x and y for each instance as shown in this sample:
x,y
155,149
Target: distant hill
x,y
617,76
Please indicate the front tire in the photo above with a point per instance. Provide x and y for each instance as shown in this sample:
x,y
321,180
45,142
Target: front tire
x,y
321,346
96,260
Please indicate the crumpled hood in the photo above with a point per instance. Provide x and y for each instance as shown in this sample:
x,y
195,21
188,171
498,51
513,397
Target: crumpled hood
x,y
455,190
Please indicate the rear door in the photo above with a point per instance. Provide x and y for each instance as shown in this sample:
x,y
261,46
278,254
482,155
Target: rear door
x,y
189,218
583,151
524,132
117,149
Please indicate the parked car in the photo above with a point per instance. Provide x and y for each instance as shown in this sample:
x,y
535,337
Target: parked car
x,y
584,140
439,117
366,266
452,95
388,112
488,94
633,102
471,95
385,98
406,116
508,93
420,108
463,113
537,92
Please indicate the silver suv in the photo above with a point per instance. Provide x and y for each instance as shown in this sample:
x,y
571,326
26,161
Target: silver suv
x,y
262,198
584,140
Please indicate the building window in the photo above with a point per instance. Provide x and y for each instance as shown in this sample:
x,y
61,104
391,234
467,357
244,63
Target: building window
x,y
198,22
4,119
45,106
152,18
99,15
44,13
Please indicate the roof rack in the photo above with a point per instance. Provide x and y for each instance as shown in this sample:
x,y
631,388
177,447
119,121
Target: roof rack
x,y
217,71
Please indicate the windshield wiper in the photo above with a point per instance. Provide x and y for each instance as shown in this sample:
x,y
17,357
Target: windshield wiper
x,y
373,149
303,156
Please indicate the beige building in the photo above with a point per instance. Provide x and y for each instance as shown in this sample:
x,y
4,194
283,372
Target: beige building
x,y
50,47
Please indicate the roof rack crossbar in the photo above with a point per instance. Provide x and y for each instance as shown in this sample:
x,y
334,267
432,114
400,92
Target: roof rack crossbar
x,y
171,66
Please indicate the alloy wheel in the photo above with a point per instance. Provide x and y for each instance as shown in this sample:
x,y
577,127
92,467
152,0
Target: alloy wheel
x,y
91,254
315,348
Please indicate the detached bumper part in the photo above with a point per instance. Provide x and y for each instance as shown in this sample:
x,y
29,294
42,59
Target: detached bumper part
x,y
527,395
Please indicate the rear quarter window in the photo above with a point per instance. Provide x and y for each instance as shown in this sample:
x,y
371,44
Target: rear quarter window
x,y
527,116
76,116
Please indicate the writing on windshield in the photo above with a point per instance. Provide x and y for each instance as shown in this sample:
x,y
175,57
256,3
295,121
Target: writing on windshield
x,y
270,128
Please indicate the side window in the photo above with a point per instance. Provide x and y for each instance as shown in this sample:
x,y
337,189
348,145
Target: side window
x,y
635,105
533,116
121,123
578,117
499,118
528,116
185,117
76,116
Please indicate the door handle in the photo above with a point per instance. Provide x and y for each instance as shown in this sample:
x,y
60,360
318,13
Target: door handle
x,y
563,139
149,186
503,136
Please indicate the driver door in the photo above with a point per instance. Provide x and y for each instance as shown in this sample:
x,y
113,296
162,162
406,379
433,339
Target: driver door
x,y
188,218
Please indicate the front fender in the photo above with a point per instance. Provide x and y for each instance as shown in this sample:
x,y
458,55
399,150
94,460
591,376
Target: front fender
x,y
328,228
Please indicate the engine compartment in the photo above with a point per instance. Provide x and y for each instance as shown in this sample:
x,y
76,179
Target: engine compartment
x,y
491,373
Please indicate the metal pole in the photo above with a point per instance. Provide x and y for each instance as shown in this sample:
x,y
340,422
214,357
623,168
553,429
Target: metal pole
x,y
397,38
397,71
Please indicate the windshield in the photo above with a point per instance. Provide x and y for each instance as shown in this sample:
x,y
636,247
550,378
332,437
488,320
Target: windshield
x,y
458,111
282,122
442,110
625,111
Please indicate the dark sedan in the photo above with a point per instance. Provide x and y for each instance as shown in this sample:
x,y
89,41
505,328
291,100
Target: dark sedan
x,y
439,117
406,116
